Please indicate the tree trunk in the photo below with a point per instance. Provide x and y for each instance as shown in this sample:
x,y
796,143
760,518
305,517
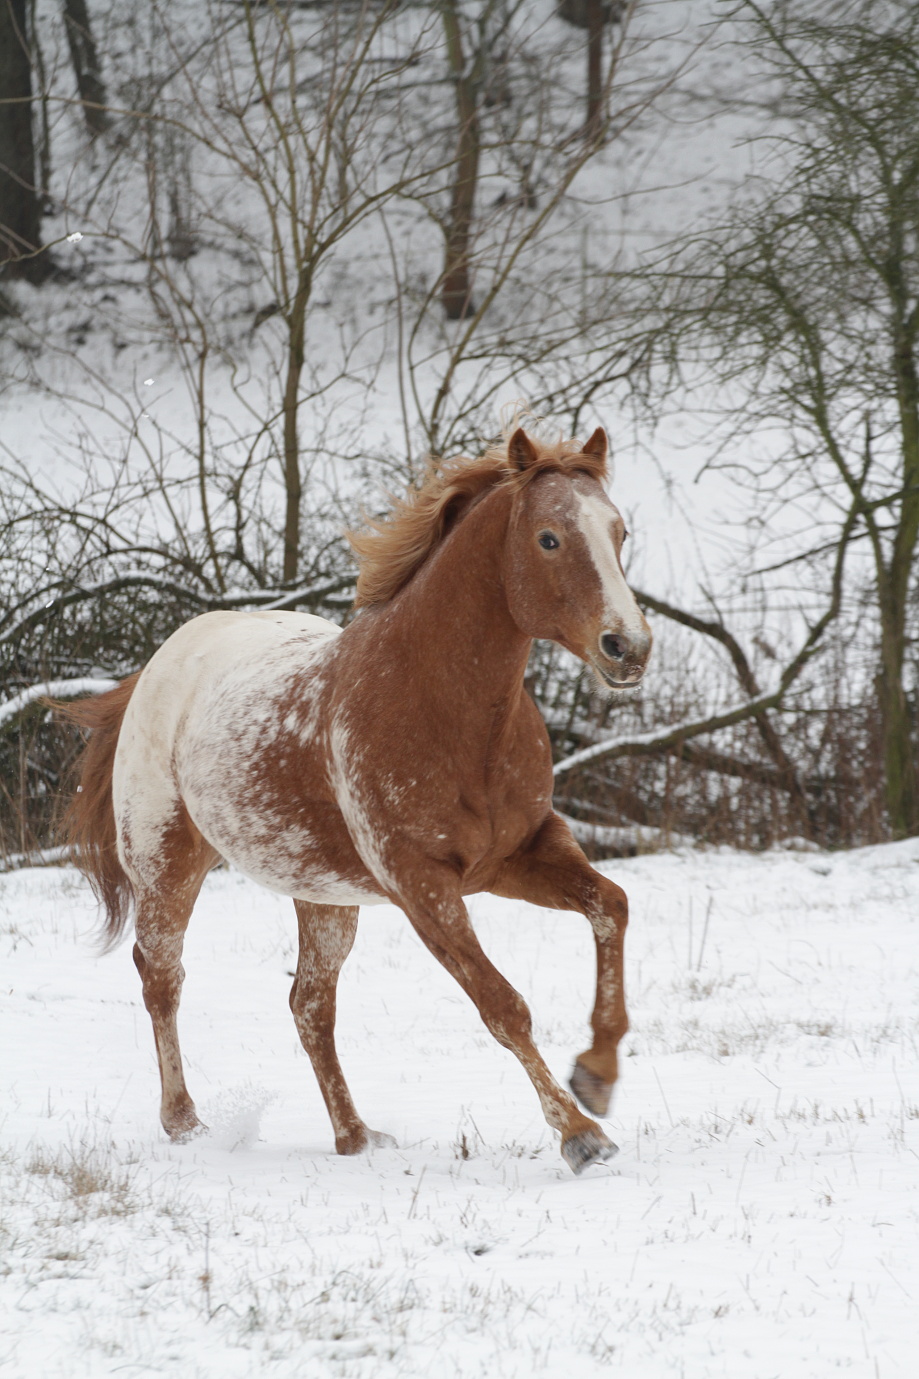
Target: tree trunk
x,y
293,484
593,126
893,590
20,200
86,66
899,765
456,285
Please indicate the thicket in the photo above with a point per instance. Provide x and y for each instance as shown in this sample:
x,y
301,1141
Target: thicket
x,y
328,236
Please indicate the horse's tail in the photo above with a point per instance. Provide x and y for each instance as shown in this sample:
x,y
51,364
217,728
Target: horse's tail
x,y
88,823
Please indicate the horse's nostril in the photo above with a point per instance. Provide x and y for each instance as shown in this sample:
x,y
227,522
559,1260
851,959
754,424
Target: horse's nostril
x,y
612,646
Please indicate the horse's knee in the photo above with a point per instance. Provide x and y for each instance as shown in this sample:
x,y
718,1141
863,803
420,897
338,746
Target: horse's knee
x,y
618,902
608,910
508,1017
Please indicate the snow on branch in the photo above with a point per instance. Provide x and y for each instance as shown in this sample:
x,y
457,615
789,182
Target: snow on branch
x,y
263,599
624,840
659,739
53,689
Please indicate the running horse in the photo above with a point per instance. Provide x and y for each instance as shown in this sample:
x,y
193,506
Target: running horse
x,y
398,760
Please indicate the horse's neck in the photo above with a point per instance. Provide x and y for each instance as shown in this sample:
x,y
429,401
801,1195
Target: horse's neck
x,y
457,604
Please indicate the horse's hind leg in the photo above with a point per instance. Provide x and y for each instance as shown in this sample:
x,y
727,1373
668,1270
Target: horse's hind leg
x,y
326,938
163,912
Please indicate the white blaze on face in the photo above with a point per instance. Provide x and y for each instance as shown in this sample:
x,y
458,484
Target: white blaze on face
x,y
620,611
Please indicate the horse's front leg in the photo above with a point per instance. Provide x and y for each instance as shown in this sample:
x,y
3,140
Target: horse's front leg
x,y
552,871
437,913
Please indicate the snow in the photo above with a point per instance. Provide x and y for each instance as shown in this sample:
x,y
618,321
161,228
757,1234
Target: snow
x,y
760,1219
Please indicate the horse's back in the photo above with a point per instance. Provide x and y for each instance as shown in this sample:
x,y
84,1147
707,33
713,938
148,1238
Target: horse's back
x,y
220,655
205,707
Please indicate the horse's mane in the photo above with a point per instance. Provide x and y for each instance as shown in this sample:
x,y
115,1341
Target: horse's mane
x,y
396,546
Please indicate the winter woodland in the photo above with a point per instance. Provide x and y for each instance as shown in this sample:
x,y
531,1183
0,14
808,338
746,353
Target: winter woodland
x,y
263,261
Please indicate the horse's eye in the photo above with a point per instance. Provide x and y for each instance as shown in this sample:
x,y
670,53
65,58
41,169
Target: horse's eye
x,y
625,537
548,541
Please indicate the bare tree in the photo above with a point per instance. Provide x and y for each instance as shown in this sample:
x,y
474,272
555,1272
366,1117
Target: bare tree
x,y
303,126
530,319
803,310
86,65
466,75
243,188
20,195
594,15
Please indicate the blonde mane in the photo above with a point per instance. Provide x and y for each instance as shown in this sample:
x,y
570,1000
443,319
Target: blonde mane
x,y
396,546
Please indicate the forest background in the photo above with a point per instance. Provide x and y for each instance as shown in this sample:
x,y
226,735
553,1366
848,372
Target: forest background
x,y
258,261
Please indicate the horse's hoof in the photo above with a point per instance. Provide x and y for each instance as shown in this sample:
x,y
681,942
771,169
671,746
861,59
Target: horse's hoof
x,y
590,1147
359,1140
590,1090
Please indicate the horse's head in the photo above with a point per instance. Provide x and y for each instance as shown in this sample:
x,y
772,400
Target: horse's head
x,y
563,570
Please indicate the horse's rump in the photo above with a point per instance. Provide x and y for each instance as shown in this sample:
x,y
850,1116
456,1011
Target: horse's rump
x,y
217,742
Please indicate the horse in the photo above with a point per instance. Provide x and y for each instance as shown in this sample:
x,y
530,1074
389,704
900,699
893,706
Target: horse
x,y
397,760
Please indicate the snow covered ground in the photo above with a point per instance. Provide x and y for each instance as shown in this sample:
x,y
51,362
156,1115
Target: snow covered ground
x,y
762,1218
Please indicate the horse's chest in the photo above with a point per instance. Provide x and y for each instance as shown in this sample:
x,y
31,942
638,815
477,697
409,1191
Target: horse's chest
x,y
465,811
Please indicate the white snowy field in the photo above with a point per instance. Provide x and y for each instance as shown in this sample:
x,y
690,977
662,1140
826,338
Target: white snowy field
x,y
762,1218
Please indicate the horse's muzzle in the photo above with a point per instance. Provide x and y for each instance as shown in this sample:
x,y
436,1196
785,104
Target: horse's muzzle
x,y
623,657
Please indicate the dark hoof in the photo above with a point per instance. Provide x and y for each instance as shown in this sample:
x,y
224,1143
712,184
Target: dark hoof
x,y
590,1090
361,1139
590,1147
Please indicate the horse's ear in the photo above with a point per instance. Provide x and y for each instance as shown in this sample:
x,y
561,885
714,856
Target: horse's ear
x,y
521,452
596,447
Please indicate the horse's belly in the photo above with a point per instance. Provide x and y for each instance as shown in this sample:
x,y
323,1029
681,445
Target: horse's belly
x,y
278,839
316,884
